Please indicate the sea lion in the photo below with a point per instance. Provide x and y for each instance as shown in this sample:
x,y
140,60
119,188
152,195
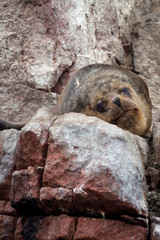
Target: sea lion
x,y
112,94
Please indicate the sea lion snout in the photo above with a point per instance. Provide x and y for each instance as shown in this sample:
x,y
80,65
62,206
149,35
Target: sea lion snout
x,y
117,101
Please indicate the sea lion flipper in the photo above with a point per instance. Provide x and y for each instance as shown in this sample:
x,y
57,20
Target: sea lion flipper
x,y
8,125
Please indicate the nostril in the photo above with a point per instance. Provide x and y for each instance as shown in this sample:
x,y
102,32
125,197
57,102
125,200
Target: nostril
x,y
117,101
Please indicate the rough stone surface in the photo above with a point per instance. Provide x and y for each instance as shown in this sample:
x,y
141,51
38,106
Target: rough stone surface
x,y
6,208
155,228
33,140
7,226
146,50
156,141
41,43
154,175
29,187
19,229
8,144
60,227
26,194
9,210
26,58
93,168
57,199
102,229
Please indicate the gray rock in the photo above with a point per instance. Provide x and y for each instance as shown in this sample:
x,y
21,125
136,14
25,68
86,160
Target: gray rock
x,y
8,143
146,51
155,228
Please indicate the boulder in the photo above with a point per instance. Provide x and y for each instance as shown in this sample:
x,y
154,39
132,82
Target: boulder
x,y
101,163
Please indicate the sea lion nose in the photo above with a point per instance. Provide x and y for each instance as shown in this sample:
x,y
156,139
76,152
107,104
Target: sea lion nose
x,y
117,101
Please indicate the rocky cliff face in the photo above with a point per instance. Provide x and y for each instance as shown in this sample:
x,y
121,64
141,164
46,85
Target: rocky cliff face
x,y
76,177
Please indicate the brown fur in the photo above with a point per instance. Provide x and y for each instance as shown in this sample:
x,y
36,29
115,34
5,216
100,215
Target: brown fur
x,y
112,94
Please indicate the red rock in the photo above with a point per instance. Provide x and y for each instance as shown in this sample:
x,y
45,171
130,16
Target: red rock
x,y
86,155
20,186
25,184
8,144
52,227
9,210
34,180
2,206
25,188
56,199
102,229
7,227
6,208
33,140
19,229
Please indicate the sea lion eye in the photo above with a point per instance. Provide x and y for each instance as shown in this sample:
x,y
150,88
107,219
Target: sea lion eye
x,y
100,106
126,91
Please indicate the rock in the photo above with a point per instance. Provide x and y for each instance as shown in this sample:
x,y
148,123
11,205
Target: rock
x,y
8,210
30,227
2,206
59,199
26,60
8,144
52,227
154,203
86,155
102,229
146,51
154,175
7,226
156,141
134,220
19,229
155,228
156,5
33,140
43,48
24,196
29,187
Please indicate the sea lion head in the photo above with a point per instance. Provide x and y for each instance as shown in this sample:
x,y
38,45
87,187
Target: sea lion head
x,y
119,105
